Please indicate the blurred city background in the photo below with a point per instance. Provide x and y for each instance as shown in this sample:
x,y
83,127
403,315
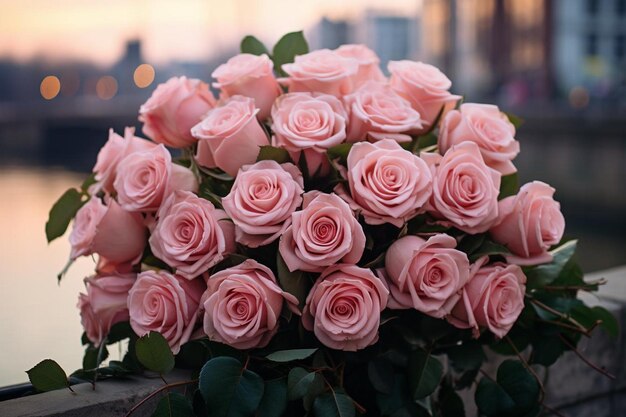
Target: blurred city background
x,y
71,69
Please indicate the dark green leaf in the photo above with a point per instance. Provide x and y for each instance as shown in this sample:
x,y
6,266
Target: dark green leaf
x,y
546,350
424,373
271,153
119,331
317,387
517,336
334,404
450,404
228,389
287,48
467,356
295,283
290,355
91,360
339,152
487,248
154,353
89,181
471,243
173,405
608,321
47,375
427,140
251,45
492,400
509,185
545,274
381,375
274,399
515,120
62,212
298,383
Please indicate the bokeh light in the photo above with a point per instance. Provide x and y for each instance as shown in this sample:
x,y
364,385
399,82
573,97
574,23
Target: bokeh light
x,y
144,75
50,87
578,97
106,87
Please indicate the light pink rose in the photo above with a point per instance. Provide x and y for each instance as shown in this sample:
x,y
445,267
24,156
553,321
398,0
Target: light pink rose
x,y
105,304
323,233
529,223
165,303
113,152
425,86
322,71
377,112
493,298
242,305
146,178
173,109
426,275
369,69
465,189
249,75
343,307
191,235
262,200
230,135
486,126
309,123
109,231
387,184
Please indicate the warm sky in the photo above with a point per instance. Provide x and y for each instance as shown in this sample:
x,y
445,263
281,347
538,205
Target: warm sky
x,y
176,29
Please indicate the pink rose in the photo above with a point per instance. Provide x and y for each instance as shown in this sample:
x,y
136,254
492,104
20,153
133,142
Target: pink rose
x,y
105,304
368,61
261,201
309,123
425,86
465,190
230,135
146,178
529,223
322,71
493,298
191,235
173,109
387,183
486,126
165,303
377,112
324,233
109,231
242,305
426,275
343,307
113,152
249,75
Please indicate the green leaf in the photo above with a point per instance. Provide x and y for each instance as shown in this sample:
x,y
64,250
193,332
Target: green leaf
x,y
340,152
467,356
471,243
89,181
380,373
91,360
317,387
488,248
295,283
274,400
173,405
515,391
515,120
546,350
119,331
290,355
334,404
251,45
450,404
154,353
608,321
424,373
47,375
271,153
545,274
62,212
509,185
287,48
298,382
230,390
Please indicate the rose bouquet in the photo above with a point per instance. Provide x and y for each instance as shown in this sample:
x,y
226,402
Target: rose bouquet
x,y
327,241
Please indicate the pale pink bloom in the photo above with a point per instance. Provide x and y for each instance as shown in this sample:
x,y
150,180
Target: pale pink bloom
x,y
369,69
486,126
174,107
261,201
387,184
529,223
230,135
191,235
426,275
165,303
343,307
323,233
242,305
249,75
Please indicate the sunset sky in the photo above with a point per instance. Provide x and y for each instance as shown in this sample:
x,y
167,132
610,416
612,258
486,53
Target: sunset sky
x,y
96,30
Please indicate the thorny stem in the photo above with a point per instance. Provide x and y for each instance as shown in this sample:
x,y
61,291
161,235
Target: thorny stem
x,y
566,326
527,366
584,359
549,309
154,393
